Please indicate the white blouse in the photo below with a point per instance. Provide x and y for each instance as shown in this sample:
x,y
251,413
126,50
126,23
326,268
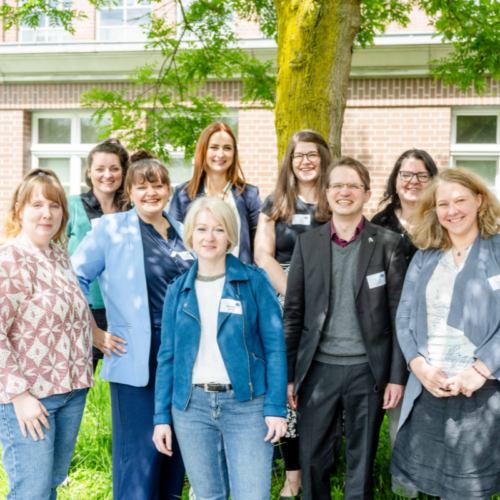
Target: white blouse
x,y
449,349
209,366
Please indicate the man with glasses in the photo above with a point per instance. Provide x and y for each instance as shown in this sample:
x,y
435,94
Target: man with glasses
x,y
343,291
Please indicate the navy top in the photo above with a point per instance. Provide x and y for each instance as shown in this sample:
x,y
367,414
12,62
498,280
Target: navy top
x,y
163,261
288,232
247,203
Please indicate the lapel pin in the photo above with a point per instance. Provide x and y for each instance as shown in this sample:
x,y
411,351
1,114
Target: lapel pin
x,y
370,240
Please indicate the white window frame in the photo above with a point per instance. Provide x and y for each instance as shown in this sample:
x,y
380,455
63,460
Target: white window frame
x,y
64,35
75,151
143,37
490,152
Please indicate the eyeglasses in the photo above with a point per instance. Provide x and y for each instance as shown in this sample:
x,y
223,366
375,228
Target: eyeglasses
x,y
408,176
298,158
352,186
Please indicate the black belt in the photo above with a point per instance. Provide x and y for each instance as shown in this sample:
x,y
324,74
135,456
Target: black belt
x,y
215,387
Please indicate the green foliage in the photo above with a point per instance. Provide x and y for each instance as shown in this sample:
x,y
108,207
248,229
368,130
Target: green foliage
x,y
166,105
473,29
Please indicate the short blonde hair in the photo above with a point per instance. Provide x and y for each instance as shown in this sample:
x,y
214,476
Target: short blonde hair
x,y
430,234
51,188
221,211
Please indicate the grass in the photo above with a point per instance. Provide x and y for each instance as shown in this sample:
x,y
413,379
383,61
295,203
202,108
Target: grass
x,y
90,476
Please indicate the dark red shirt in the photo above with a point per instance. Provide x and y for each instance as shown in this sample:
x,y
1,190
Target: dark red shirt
x,y
343,243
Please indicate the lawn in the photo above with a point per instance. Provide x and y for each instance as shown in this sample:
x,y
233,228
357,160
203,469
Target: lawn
x,y
91,477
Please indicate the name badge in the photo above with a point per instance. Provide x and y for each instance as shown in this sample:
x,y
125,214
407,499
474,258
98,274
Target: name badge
x,y
301,220
495,282
94,222
230,306
183,255
70,275
376,280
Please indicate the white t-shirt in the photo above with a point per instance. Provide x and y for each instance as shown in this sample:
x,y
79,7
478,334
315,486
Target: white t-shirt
x,y
209,366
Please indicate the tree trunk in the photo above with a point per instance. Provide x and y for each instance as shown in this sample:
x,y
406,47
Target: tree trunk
x,y
314,61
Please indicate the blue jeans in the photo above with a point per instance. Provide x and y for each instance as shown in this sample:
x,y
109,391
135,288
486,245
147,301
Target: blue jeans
x,y
223,447
37,468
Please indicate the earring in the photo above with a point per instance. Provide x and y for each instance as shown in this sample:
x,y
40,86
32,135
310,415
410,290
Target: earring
x,y
132,204
396,191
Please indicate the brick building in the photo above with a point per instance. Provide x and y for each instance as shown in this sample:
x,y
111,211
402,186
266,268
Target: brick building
x,y
393,103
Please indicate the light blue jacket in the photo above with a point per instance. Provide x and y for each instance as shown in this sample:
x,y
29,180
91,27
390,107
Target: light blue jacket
x,y
475,309
113,253
251,341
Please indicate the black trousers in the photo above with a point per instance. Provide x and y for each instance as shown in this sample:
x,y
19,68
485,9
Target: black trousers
x,y
102,323
327,391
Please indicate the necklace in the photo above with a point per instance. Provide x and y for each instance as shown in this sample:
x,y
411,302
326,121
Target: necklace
x,y
199,277
459,252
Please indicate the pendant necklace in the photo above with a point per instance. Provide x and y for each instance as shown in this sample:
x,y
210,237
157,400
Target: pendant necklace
x,y
459,252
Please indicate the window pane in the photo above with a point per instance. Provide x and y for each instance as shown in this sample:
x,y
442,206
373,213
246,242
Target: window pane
x,y
27,35
486,169
232,121
57,35
112,17
476,129
60,166
138,16
54,130
89,132
111,34
83,170
180,170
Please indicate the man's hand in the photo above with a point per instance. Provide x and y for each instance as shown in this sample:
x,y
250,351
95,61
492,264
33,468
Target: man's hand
x,y
293,401
392,395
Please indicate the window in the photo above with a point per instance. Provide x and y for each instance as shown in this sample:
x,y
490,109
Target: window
x,y
45,32
61,142
475,142
124,21
180,168
186,4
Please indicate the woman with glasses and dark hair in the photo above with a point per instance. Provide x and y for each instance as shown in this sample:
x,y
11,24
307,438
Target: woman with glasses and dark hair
x,y
297,205
218,174
408,180
107,166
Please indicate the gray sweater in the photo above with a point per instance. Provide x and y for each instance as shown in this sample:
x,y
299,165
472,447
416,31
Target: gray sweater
x,y
341,341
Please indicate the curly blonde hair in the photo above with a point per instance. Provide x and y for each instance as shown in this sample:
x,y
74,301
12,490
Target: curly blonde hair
x,y
428,233
51,189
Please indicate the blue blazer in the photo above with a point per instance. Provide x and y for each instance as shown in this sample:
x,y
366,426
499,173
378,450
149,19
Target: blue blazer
x,y
248,204
113,253
475,309
252,343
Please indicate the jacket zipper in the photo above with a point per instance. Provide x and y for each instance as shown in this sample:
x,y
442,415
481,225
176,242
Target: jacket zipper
x,y
192,369
245,340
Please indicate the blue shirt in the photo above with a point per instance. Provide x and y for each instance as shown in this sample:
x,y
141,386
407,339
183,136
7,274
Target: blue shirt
x,y
162,264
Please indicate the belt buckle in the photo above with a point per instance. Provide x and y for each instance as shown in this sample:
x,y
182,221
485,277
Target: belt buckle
x,y
207,389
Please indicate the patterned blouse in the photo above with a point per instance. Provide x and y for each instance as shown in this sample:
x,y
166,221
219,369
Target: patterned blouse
x,y
45,328
449,349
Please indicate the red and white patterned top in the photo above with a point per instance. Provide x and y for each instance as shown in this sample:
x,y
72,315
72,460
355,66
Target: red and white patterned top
x,y
45,328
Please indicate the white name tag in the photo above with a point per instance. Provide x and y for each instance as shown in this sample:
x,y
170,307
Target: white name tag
x,y
495,282
301,219
376,280
94,222
183,255
69,274
230,306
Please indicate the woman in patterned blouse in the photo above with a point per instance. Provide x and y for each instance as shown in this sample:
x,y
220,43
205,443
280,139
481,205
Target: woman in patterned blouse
x,y
45,341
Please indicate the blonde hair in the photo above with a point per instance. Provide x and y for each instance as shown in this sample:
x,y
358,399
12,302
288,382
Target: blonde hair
x,y
430,234
51,189
221,211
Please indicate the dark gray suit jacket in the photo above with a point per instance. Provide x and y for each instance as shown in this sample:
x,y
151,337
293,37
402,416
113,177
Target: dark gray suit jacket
x,y
307,298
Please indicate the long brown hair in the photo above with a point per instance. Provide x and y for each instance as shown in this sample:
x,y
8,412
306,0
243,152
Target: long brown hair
x,y
51,189
234,173
285,192
430,234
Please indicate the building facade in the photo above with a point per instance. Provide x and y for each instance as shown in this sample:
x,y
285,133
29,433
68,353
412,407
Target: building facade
x,y
393,103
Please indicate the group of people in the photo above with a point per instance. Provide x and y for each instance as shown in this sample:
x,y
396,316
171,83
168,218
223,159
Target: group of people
x,y
229,327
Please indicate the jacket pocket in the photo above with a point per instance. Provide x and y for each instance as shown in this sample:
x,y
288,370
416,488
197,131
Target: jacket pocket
x,y
258,358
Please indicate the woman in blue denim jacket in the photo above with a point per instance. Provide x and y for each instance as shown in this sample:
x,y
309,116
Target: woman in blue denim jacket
x,y
222,375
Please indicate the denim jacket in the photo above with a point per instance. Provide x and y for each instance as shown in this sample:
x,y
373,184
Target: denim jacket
x,y
475,309
252,343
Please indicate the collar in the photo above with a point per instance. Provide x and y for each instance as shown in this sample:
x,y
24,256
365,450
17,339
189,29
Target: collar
x,y
91,200
235,271
343,243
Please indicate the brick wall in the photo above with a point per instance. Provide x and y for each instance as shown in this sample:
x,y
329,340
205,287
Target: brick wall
x,y
15,138
84,28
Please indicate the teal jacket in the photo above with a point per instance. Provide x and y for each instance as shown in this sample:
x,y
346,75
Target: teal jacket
x,y
78,227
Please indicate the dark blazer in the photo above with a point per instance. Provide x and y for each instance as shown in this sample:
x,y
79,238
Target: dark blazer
x,y
307,298
248,204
